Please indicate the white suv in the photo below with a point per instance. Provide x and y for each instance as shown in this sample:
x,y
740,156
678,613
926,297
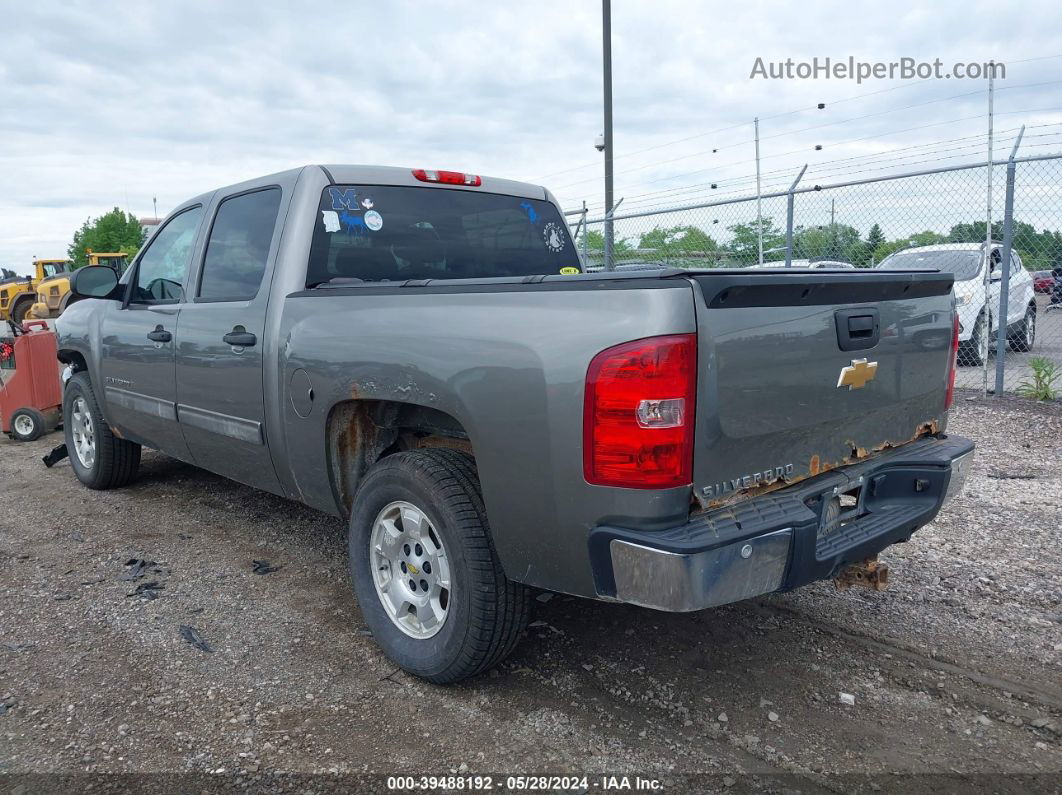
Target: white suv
x,y
968,262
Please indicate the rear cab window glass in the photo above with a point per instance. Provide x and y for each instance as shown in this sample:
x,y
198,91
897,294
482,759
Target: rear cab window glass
x,y
238,249
392,233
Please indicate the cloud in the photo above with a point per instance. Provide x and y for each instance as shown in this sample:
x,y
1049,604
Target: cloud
x,y
112,104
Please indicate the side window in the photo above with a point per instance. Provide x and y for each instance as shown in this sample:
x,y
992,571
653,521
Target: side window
x,y
238,247
163,267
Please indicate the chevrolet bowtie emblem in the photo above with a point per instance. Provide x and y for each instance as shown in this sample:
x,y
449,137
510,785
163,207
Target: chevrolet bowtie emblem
x,y
856,375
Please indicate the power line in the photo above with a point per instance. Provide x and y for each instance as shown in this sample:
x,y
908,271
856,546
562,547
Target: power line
x,y
872,163
789,132
764,118
845,142
793,132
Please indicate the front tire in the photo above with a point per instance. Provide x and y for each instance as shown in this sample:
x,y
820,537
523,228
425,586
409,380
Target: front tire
x,y
975,352
99,459
27,425
428,581
20,310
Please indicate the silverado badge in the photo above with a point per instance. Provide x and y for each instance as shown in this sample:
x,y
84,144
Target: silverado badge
x,y
856,375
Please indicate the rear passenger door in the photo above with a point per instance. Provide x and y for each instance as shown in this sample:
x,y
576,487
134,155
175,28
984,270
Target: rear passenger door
x,y
221,338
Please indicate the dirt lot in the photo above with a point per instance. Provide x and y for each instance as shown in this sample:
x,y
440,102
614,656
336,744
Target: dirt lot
x,y
956,671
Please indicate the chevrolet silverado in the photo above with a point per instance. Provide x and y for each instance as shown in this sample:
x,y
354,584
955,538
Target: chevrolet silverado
x,y
422,353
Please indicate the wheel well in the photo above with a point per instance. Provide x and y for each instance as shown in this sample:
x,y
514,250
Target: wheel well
x,y
361,432
23,298
73,358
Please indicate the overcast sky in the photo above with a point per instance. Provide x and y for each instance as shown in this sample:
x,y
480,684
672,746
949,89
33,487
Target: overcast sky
x,y
108,104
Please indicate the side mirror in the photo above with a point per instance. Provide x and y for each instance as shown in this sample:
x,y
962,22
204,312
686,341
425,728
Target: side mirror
x,y
94,281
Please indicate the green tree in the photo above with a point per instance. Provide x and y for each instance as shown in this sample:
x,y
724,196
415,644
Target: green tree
x,y
677,245
926,238
862,255
113,231
595,247
743,244
824,242
1038,250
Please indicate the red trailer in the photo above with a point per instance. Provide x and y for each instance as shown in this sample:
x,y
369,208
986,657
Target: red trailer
x,y
31,393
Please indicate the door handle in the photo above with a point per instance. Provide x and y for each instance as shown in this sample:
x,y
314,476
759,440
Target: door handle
x,y
240,338
159,335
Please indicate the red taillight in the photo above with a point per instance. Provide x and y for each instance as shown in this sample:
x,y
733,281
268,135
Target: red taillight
x,y
638,414
447,177
949,396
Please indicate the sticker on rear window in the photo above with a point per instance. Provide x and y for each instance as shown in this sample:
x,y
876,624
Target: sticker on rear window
x,y
343,198
331,220
569,270
373,220
553,237
527,207
354,223
366,203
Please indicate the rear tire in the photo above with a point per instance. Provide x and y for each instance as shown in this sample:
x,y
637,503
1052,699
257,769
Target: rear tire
x,y
27,425
99,458
479,620
1024,335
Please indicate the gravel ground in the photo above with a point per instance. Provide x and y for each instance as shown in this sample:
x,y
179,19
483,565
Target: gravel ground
x,y
956,670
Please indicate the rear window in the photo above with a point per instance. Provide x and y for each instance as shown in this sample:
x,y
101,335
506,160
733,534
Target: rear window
x,y
965,264
389,233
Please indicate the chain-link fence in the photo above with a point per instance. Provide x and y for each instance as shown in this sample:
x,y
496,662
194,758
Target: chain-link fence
x,y
928,219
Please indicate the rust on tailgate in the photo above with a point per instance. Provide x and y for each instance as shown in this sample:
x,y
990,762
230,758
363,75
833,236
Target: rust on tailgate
x,y
819,464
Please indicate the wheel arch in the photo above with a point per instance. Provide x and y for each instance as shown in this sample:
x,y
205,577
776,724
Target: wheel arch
x,y
361,432
22,299
74,358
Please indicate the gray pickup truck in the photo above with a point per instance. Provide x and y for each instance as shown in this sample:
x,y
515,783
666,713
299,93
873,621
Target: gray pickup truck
x,y
421,353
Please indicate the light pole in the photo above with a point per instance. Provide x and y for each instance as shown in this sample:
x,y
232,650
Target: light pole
x,y
759,211
606,31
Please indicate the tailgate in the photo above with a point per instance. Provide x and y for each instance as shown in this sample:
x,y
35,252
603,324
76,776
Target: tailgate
x,y
780,398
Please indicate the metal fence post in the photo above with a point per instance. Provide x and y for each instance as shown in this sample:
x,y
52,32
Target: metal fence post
x,y
586,233
789,219
1004,282
610,251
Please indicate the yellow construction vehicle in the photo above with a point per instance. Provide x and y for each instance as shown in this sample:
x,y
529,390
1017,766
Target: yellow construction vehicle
x,y
53,294
17,295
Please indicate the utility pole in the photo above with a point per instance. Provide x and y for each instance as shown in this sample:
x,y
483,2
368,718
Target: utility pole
x,y
987,329
606,31
155,206
759,213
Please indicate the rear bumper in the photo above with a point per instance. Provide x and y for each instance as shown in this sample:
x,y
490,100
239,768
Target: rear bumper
x,y
784,539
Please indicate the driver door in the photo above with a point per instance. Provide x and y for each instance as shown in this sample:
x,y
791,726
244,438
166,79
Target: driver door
x,y
138,364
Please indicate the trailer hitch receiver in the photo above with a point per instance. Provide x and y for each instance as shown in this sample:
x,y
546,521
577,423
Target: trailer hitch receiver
x,y
869,574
